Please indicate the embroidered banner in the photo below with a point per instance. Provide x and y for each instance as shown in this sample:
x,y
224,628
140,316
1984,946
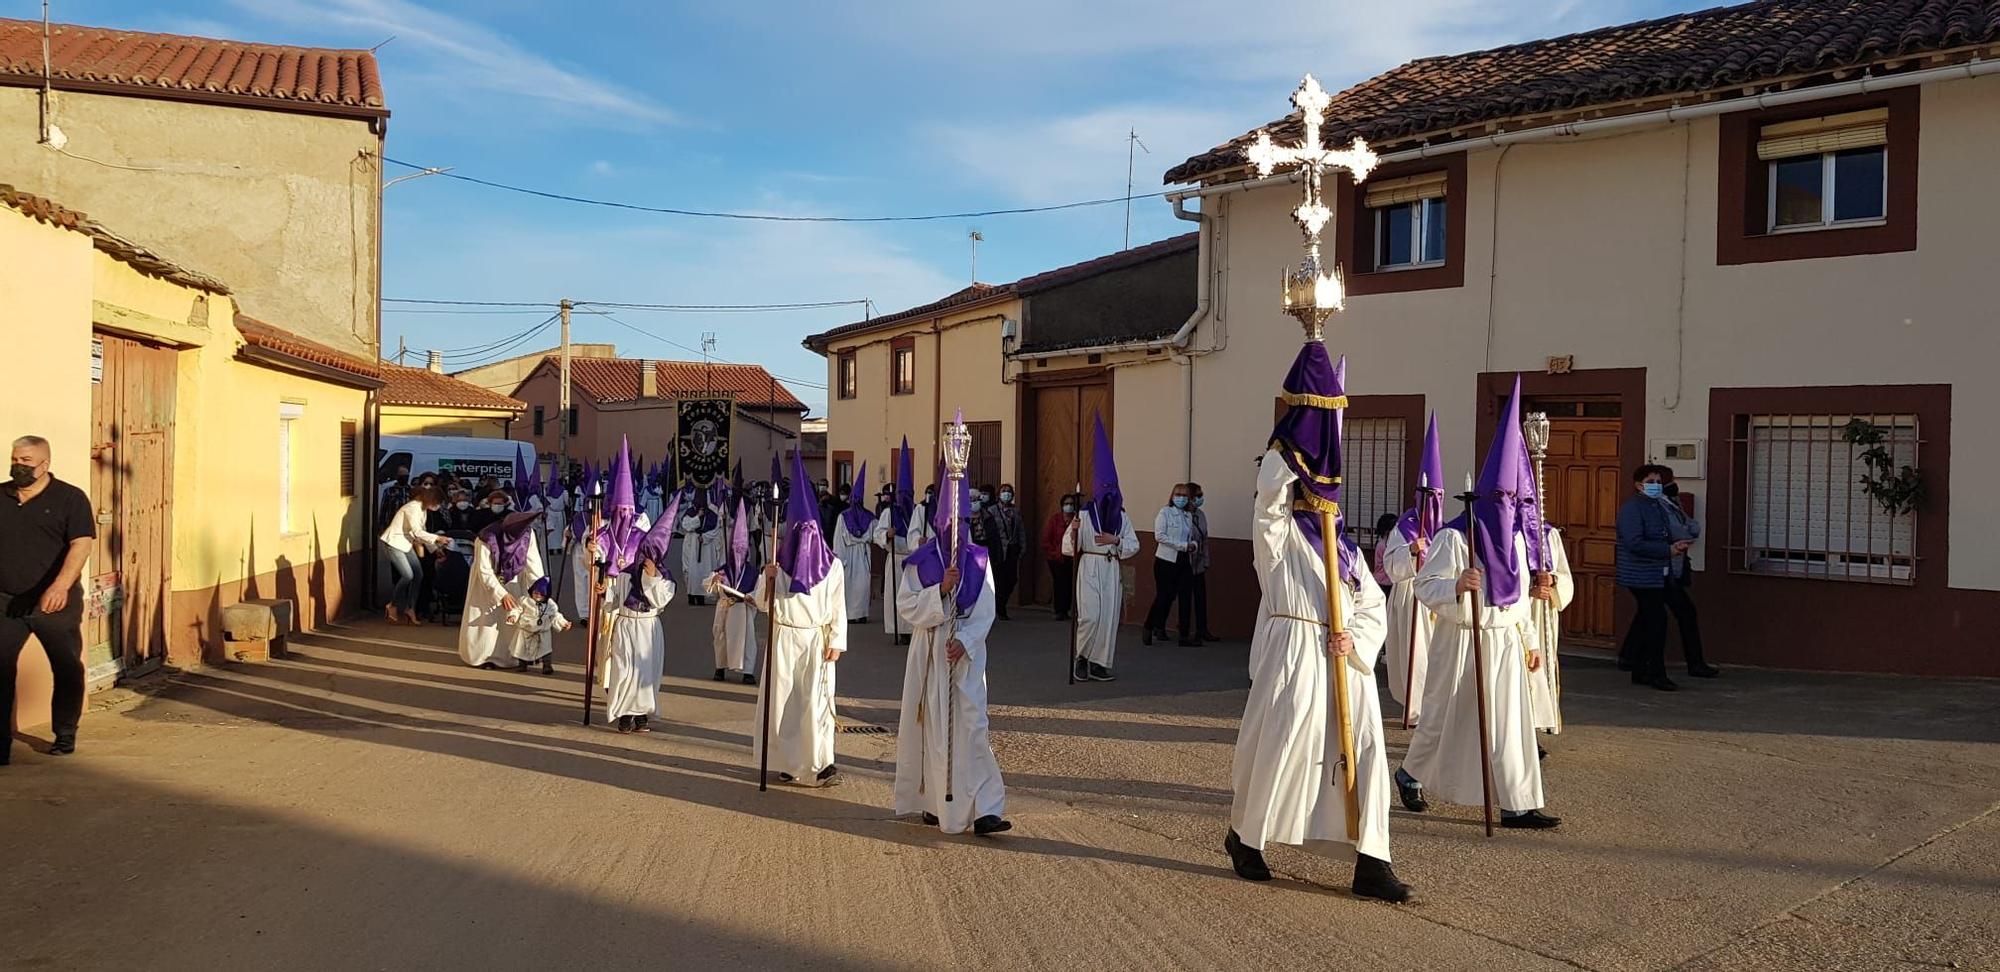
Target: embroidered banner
x,y
702,444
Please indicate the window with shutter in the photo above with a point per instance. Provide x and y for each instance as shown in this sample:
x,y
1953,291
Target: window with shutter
x,y
350,446
1805,510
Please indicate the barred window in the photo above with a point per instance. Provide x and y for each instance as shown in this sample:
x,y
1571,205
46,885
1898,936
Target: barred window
x,y
1371,475
1806,512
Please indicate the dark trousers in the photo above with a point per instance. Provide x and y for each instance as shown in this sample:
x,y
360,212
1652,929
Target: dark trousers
x,y
1006,571
1677,601
1195,593
1169,576
1062,574
61,636
1645,648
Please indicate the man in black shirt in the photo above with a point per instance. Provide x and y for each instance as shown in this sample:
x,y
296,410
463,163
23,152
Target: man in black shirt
x,y
46,526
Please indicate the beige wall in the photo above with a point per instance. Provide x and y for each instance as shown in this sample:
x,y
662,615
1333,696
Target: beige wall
x,y
1592,264
958,353
280,205
422,420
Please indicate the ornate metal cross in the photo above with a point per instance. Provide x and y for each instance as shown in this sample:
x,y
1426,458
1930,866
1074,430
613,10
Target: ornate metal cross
x,y
1311,293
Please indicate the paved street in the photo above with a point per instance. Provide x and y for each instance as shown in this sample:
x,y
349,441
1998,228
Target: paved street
x,y
372,803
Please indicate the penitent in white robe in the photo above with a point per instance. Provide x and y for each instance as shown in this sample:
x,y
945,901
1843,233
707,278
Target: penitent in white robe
x,y
1444,752
483,630
1100,583
1284,788
899,549
797,677
555,519
1543,683
534,631
922,751
700,551
1407,648
634,646
733,631
855,562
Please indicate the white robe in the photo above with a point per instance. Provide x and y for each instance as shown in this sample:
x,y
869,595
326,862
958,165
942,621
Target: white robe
x,y
899,550
534,630
1100,582
855,561
1402,650
634,654
700,551
483,629
922,751
733,631
1544,682
555,520
797,677
1284,787
1444,752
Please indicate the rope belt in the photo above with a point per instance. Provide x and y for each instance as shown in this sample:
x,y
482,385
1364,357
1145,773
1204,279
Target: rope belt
x,y
624,612
1293,617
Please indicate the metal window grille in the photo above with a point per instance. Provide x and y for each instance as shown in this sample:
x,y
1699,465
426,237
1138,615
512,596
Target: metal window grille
x,y
1373,450
1805,513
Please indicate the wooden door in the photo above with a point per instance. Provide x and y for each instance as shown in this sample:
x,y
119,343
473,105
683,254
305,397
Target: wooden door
x,y
1058,443
1585,486
132,415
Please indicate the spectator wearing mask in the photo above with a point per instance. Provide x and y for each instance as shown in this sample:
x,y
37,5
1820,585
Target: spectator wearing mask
x,y
1006,539
489,512
1385,526
1062,569
1197,589
1173,549
1646,552
458,513
1680,577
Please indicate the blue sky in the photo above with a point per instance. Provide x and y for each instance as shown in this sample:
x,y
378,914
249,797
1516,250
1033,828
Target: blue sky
x,y
836,107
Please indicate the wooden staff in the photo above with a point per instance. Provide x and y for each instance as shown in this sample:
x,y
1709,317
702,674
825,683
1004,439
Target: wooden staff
x,y
595,625
770,643
1410,660
1075,585
1479,664
1329,547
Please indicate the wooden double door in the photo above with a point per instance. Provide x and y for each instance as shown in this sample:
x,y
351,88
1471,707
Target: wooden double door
x,y
131,490
1057,452
1585,485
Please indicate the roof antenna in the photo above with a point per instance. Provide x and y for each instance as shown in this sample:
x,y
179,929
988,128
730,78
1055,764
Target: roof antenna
x,y
1131,139
385,43
976,238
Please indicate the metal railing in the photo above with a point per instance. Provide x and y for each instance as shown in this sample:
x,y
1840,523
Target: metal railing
x,y
1800,506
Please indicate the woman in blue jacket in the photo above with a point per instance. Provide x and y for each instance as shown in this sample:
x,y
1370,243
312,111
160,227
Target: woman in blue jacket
x,y
1646,551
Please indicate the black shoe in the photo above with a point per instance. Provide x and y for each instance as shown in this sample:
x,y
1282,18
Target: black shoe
x,y
749,679
1374,879
489,666
1704,671
1099,673
784,777
624,723
1083,670
857,620
1206,636
1541,751
1002,616
989,825
1625,666
930,819
1532,820
828,773
1412,797
63,746
1660,682
522,667
721,674
1247,861
1147,637
548,666
641,724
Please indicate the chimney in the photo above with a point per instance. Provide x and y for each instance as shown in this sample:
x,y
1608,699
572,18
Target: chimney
x,y
649,379
434,360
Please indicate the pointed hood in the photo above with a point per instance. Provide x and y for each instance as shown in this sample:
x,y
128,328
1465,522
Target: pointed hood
x,y
654,542
530,491
1424,516
948,492
1497,506
1307,439
508,539
620,510
737,566
857,516
1107,502
904,505
1532,523
518,488
930,558
554,487
805,554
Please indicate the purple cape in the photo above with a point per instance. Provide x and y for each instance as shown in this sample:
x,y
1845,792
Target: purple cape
x,y
1307,440
509,539
804,554
930,558
1107,501
856,516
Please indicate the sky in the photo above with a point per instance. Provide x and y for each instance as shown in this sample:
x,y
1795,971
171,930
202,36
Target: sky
x,y
829,108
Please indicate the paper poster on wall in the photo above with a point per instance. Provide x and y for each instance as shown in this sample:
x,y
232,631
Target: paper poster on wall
x,y
97,361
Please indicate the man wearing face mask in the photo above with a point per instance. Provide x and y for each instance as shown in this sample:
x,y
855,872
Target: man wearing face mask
x,y
1646,553
1005,538
46,526
1062,568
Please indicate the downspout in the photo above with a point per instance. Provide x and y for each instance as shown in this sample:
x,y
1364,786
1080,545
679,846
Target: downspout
x,y
1204,256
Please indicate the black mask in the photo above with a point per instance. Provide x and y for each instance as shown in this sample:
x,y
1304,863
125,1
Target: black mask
x,y
1670,490
23,474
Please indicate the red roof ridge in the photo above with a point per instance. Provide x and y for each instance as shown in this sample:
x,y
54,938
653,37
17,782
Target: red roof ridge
x,y
258,334
422,386
610,381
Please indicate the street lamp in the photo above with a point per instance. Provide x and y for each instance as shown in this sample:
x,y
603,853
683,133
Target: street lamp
x,y
426,171
1312,293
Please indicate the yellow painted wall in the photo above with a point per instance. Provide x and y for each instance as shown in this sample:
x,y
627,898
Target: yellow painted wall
x,y
418,420
959,352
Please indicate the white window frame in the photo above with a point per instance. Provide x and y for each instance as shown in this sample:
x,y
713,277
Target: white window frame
x,y
1418,234
288,414
1826,186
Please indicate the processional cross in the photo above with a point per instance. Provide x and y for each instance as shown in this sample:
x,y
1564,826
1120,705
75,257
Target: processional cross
x,y
1312,293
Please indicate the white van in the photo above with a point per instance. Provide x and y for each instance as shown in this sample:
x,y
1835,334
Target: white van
x,y
467,457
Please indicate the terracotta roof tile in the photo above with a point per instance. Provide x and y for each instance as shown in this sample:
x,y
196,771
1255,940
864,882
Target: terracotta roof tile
x,y
258,334
612,380
421,386
1707,50
1023,287
119,248
310,79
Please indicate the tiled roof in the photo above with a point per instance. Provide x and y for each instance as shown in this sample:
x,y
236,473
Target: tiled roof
x,y
119,248
613,380
421,386
1023,287
258,334
1723,48
308,79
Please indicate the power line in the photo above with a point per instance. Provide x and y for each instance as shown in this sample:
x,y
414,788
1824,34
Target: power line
x,y
771,217
501,351
723,308
483,348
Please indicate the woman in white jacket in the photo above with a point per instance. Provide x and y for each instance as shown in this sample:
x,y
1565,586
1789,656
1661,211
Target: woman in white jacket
x,y
405,541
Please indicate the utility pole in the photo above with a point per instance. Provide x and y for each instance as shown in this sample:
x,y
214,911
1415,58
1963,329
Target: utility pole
x,y
562,409
400,350
1131,140
977,238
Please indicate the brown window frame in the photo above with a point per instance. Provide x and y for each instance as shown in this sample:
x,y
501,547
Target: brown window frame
x,y
847,376
350,457
541,419
1354,233
896,349
1742,233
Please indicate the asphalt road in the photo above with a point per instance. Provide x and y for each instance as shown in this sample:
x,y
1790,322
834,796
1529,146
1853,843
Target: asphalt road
x,y
372,803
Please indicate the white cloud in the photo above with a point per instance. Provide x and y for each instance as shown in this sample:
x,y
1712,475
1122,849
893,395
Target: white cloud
x,y
602,167
466,55
1080,156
